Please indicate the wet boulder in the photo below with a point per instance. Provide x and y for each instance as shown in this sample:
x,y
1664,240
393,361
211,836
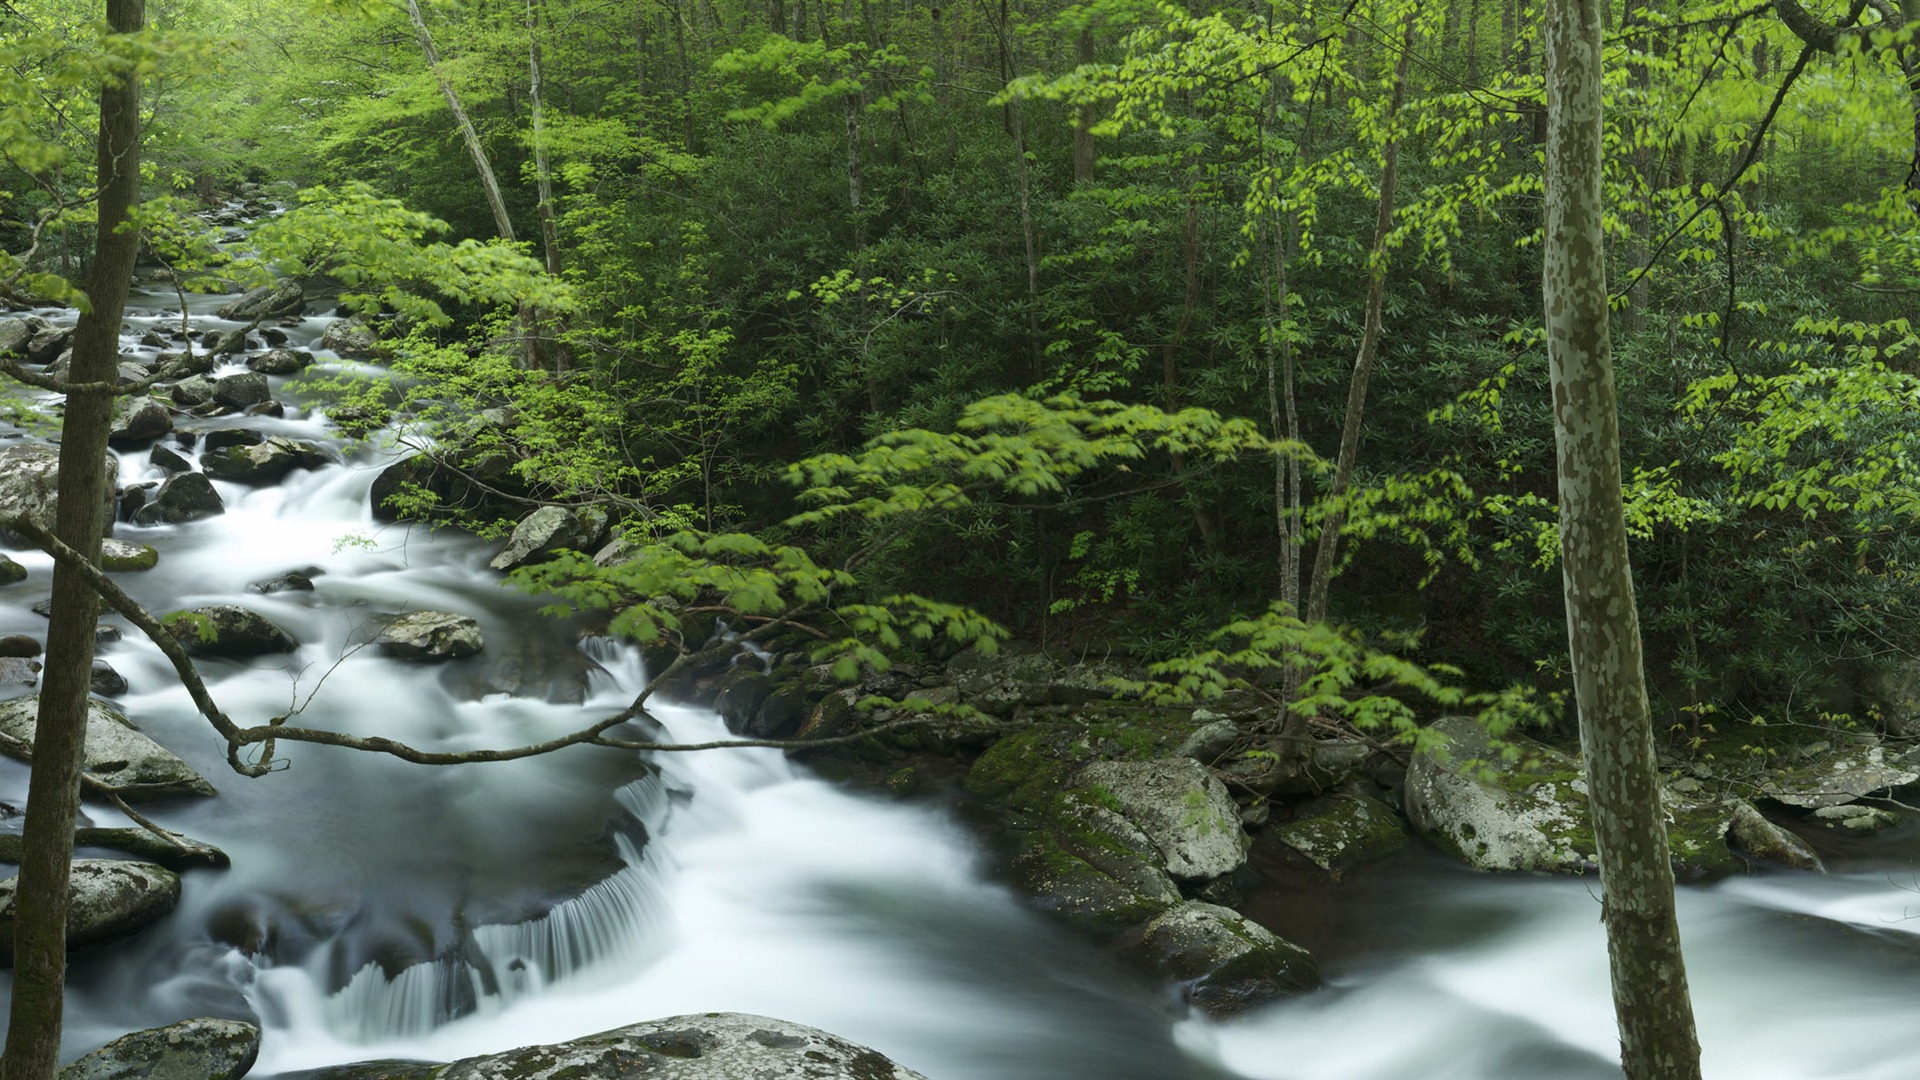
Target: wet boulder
x,y
192,391
1090,868
1835,774
698,1046
181,497
119,757
126,555
105,681
1339,832
292,581
428,636
110,899
1224,962
351,338
1751,832
29,482
1182,807
19,671
228,630
48,342
241,390
280,361
548,530
11,573
266,302
14,335
198,1049
263,462
167,458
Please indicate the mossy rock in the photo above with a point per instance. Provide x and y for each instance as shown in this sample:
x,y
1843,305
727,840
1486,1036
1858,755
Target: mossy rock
x,y
1339,832
1029,769
127,556
1223,962
1090,868
11,573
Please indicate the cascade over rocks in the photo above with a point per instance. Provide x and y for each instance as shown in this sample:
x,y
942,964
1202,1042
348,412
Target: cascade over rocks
x,y
698,1046
29,482
263,462
201,1049
228,630
110,899
119,757
427,636
181,497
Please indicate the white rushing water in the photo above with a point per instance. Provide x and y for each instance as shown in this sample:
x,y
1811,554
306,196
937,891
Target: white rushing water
x,y
382,910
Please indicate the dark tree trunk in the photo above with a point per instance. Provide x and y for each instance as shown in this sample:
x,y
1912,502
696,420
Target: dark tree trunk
x,y
59,745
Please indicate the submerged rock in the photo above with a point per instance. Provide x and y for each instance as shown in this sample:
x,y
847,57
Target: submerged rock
x,y
1180,806
110,899
1224,962
118,755
228,630
200,1049
427,636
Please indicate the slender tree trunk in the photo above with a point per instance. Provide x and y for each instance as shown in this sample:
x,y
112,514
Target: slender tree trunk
x,y
1083,119
468,135
1603,631
1323,556
59,745
543,175
1633,318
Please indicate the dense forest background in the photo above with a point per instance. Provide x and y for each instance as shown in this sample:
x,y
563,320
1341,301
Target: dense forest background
x,y
788,229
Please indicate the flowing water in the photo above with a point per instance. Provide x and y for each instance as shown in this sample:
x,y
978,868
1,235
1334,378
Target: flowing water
x,y
377,909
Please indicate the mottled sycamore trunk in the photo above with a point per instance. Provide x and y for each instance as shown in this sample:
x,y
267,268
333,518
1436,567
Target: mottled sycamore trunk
x,y
1603,630
59,745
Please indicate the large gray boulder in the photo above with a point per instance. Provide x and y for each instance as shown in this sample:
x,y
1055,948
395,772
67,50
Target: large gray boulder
x,y
110,899
266,302
118,755
1224,962
139,420
1092,869
1181,806
263,462
181,497
241,390
697,1046
14,335
548,530
351,338
201,1049
228,630
1837,774
1752,833
29,482
280,361
48,342
427,636
1339,832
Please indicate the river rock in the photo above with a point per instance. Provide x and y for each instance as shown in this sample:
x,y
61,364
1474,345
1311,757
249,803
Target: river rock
x,y
226,438
199,1049
110,899
266,302
241,390
220,343
1339,832
48,343
29,482
743,689
105,681
1003,681
118,755
697,1046
291,581
351,338
19,671
1856,818
182,497
1091,868
192,390
1836,775
228,630
549,530
1751,832
264,462
427,636
126,555
11,573
14,335
280,361
1224,962
19,645
1180,805
168,459
1528,814
194,363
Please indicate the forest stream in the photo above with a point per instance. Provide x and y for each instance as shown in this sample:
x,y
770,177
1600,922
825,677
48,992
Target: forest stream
x,y
381,910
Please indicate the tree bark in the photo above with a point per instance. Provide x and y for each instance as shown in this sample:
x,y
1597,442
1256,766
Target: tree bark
x,y
59,746
1603,632
1083,117
1323,556
468,135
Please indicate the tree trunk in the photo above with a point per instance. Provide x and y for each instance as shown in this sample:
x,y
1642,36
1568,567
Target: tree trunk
x,y
1323,556
59,745
1603,631
467,134
1083,117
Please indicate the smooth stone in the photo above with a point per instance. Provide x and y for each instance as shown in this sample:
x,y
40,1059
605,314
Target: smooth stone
x,y
204,1048
182,497
427,636
1180,805
111,899
29,482
20,645
126,555
119,757
1224,963
228,630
